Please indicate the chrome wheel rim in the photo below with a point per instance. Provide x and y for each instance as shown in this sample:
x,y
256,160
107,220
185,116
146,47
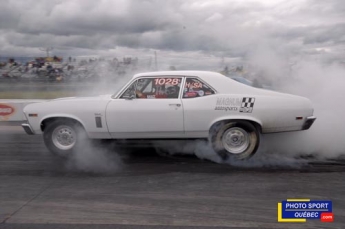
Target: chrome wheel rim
x,y
235,140
64,137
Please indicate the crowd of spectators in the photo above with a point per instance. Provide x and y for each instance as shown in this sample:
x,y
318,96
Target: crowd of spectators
x,y
55,69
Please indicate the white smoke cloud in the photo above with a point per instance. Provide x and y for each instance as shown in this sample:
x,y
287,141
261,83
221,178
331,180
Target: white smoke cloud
x,y
93,157
323,84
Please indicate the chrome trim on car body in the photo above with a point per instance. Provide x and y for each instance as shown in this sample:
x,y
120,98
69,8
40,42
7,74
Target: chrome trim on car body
x,y
27,128
309,122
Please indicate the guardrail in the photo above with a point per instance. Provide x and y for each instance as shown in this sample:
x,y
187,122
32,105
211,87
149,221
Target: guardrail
x,y
11,110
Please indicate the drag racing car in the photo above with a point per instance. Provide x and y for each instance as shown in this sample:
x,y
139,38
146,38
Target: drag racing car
x,y
176,105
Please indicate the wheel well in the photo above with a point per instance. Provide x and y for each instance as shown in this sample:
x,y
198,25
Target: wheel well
x,y
46,122
256,125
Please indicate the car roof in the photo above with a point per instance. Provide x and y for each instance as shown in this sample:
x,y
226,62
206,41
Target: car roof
x,y
179,73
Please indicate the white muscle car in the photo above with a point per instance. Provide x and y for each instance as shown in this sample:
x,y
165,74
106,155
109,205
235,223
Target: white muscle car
x,y
172,105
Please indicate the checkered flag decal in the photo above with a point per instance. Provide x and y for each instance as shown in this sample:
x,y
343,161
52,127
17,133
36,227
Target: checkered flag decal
x,y
247,105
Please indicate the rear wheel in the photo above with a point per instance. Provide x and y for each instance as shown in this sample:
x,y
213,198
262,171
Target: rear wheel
x,y
236,139
62,137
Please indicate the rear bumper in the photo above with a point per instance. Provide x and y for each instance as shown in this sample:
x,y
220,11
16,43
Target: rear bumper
x,y
28,129
308,122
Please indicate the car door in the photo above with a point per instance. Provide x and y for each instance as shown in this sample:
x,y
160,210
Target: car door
x,y
150,107
198,99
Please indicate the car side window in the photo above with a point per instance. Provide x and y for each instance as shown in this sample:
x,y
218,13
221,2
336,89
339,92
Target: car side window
x,y
159,88
195,88
130,92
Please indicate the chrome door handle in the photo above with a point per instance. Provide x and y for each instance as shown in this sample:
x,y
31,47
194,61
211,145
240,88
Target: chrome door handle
x,y
175,104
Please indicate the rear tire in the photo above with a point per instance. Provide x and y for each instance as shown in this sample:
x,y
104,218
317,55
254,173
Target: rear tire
x,y
237,139
62,137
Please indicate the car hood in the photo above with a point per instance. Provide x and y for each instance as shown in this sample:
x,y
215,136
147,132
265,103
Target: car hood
x,y
63,104
99,97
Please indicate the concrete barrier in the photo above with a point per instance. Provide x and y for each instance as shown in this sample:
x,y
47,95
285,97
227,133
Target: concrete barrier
x,y
11,110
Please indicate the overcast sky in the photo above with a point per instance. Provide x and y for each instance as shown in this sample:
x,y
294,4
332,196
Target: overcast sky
x,y
177,29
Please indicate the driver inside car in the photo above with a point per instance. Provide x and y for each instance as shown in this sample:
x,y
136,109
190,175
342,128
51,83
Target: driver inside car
x,y
139,94
173,91
160,92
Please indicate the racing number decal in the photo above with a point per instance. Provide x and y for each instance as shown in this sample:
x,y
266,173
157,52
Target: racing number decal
x,y
164,81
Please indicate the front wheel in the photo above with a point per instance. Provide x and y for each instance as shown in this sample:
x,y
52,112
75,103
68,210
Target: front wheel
x,y
62,137
237,139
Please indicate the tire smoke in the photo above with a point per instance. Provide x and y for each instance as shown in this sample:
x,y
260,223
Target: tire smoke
x,y
93,157
264,158
323,85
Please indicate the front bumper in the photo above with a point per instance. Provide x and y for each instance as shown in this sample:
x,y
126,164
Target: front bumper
x,y
28,129
309,121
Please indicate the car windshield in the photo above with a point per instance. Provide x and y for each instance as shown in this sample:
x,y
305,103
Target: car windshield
x,y
119,87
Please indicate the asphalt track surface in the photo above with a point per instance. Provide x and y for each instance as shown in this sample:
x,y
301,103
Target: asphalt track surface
x,y
147,190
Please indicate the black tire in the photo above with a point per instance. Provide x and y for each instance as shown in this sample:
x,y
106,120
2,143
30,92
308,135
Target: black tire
x,y
53,128
237,130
